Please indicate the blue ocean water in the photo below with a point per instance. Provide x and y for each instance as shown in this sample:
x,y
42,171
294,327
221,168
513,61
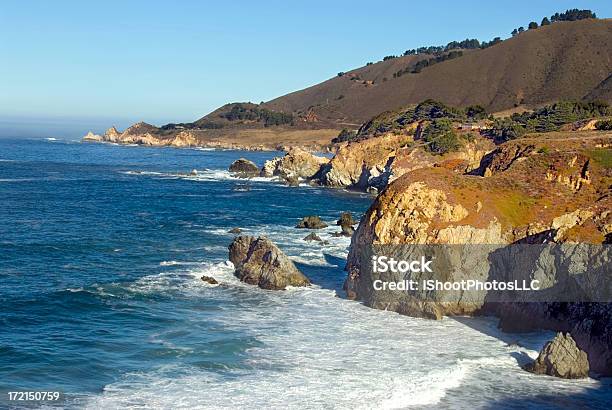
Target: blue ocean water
x,y
101,252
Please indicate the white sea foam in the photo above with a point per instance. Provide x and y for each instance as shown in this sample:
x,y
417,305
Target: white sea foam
x,y
316,350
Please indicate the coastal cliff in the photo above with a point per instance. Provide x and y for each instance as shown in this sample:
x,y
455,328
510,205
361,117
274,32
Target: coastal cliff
x,y
542,189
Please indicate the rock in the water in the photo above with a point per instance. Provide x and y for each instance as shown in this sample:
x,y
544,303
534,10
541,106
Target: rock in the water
x,y
347,230
296,163
244,167
260,262
210,280
313,237
193,172
346,219
561,358
311,222
235,230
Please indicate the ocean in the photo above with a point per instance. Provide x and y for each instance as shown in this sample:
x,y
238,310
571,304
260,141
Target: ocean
x,y
101,252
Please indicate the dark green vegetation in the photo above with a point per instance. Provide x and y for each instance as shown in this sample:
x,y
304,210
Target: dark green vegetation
x,y
548,118
604,125
345,135
421,64
241,112
426,110
569,15
440,137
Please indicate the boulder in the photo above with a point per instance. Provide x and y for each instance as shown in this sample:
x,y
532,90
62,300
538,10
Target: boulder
x,y
311,222
260,262
297,163
244,168
209,280
561,358
235,230
346,219
313,237
92,137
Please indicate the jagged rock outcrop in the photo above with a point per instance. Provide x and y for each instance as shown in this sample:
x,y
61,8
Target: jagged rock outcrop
x,y
373,163
313,237
311,222
561,358
258,261
244,168
297,163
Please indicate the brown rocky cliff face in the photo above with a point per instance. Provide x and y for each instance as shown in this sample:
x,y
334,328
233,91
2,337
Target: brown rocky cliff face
x,y
516,201
375,162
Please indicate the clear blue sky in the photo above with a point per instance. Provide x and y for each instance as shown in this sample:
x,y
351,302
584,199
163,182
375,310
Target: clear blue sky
x,y
163,61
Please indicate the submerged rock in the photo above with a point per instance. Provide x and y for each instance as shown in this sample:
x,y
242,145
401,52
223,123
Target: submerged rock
x,y
313,237
311,222
260,262
245,168
210,280
561,358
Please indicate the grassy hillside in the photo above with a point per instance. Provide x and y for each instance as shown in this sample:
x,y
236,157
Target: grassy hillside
x,y
564,60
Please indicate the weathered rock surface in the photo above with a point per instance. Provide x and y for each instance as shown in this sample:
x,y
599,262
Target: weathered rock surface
x,y
297,163
313,237
260,262
346,219
235,230
515,203
561,358
375,162
244,168
209,280
311,222
92,137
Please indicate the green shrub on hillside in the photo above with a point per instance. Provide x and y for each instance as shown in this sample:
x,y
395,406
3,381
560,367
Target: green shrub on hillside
x,y
604,125
548,118
270,118
345,135
440,137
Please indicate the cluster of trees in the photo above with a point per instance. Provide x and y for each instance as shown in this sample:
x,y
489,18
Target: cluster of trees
x,y
548,118
468,43
270,118
426,110
569,15
421,64
208,125
573,15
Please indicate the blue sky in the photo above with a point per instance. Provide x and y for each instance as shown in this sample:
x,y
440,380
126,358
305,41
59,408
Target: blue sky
x,y
123,61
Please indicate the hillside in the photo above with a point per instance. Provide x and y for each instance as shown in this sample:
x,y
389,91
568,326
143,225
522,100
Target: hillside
x,y
562,60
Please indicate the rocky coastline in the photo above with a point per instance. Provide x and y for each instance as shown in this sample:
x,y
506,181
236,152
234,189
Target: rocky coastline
x,y
545,188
